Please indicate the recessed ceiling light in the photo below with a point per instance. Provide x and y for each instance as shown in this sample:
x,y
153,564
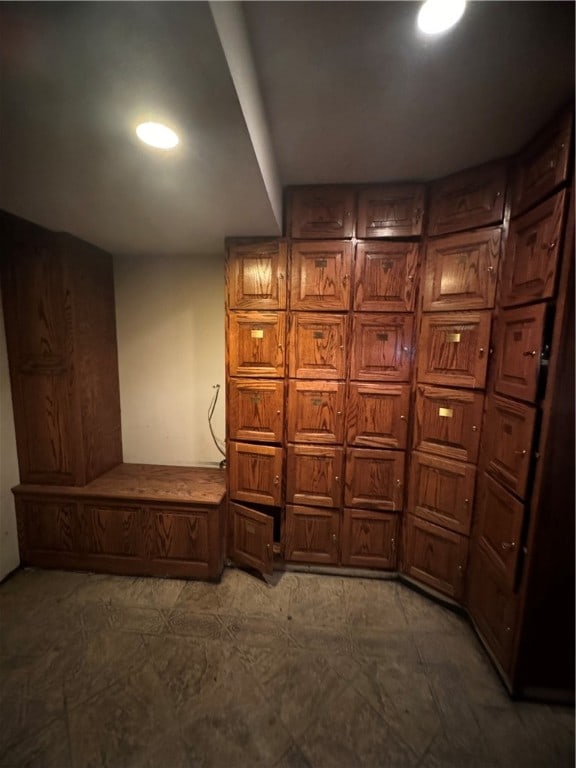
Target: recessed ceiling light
x,y
157,135
439,15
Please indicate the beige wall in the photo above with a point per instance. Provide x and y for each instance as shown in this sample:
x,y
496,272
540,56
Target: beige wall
x,y
9,558
170,323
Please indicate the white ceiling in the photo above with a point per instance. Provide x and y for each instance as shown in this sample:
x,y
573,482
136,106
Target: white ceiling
x,y
264,94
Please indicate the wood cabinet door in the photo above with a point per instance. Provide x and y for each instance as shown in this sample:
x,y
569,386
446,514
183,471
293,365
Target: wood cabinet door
x,y
448,422
532,253
252,539
317,346
369,539
435,556
321,275
442,491
256,342
182,542
381,347
255,410
255,473
390,210
466,200
311,535
519,342
321,211
461,271
454,348
498,528
543,165
374,479
493,607
316,411
377,415
47,529
314,475
385,276
115,530
256,275
507,442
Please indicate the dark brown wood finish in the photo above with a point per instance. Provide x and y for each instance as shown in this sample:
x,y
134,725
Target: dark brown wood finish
x,y
256,410
256,275
316,411
519,342
317,346
321,211
378,414
255,473
321,275
461,271
256,344
252,538
374,479
391,210
315,475
369,539
385,276
381,348
312,535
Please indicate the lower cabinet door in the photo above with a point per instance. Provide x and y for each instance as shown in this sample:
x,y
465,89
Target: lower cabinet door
x,y
435,556
314,475
252,538
48,531
311,535
183,543
369,539
493,607
374,479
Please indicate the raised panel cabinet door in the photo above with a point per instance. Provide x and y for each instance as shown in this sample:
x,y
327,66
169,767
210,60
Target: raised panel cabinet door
x,y
321,211
377,415
316,411
256,275
252,539
507,443
181,541
492,605
314,475
255,473
256,410
47,527
448,422
374,479
369,539
256,343
311,535
435,556
317,346
385,276
113,530
543,165
391,210
454,349
469,199
381,347
532,253
519,343
321,275
498,528
442,491
461,271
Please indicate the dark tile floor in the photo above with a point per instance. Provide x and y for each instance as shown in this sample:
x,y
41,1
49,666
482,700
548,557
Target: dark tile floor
x,y
313,672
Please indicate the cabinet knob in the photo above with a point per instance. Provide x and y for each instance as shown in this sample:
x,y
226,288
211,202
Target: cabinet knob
x,y
406,349
490,269
466,501
403,418
398,482
481,352
411,278
393,544
338,413
549,246
280,276
334,538
474,429
337,479
345,279
276,479
278,413
521,453
530,354
508,545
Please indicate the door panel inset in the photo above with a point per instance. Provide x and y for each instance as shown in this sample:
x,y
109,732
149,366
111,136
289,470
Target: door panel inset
x,y
321,275
256,275
381,347
374,479
519,343
256,410
316,411
385,276
378,415
256,342
317,346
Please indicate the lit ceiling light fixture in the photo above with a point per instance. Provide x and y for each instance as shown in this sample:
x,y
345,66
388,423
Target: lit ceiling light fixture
x,y
157,135
439,15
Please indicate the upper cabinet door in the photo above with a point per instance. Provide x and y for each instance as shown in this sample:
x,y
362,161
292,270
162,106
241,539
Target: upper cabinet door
x,y
532,253
381,347
314,475
321,275
321,212
256,275
391,211
256,342
316,411
256,410
374,479
385,277
519,342
453,348
378,415
466,200
255,473
543,165
317,345
507,444
461,271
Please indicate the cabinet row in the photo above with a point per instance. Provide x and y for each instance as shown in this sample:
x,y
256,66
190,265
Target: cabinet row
x,y
460,271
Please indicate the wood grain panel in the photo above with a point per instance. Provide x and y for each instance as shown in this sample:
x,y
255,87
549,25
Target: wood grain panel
x,y
51,526
255,410
255,473
321,211
256,343
314,475
369,539
317,346
181,536
114,530
321,275
519,342
390,210
256,275
312,535
461,271
316,411
252,538
382,347
377,415
385,276
374,479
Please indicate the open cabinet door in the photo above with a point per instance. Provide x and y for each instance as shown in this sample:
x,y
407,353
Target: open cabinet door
x,y
252,538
